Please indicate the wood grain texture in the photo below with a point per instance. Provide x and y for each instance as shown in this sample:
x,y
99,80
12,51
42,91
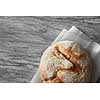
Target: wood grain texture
x,y
23,40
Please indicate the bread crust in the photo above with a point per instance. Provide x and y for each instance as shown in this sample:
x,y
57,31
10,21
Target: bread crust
x,y
65,62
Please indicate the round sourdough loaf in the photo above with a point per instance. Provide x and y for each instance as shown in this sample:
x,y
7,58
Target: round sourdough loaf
x,y
65,62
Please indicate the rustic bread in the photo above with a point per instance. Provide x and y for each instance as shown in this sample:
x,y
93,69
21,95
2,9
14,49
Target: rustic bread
x,y
64,62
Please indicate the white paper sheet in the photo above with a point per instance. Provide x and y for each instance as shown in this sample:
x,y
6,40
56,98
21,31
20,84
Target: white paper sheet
x,y
92,48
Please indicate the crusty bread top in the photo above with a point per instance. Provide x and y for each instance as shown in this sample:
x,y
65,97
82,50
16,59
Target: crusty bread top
x,y
65,61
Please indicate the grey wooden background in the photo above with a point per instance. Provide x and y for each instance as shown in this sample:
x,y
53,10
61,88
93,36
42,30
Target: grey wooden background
x,y
23,40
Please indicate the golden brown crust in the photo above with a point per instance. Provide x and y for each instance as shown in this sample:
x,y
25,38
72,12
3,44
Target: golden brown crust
x,y
68,54
60,51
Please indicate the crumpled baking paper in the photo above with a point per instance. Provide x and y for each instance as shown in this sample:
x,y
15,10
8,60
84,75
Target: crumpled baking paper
x,y
88,44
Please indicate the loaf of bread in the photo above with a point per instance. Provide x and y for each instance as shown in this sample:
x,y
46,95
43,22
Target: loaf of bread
x,y
65,62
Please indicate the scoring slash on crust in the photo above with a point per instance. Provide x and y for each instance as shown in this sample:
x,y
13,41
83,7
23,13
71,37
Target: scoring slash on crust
x,y
64,62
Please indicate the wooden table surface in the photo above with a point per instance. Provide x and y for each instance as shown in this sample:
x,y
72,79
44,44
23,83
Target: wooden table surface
x,y
23,40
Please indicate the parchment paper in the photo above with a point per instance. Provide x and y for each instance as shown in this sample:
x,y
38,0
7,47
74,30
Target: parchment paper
x,y
89,45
